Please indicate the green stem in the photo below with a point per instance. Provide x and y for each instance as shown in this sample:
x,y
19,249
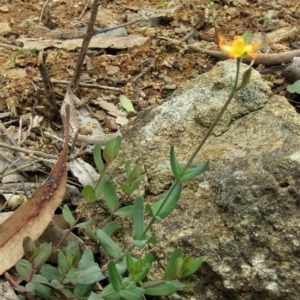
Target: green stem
x,y
233,92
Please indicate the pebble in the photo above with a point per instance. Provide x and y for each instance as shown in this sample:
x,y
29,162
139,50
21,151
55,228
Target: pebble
x,y
170,87
112,70
4,28
113,33
4,9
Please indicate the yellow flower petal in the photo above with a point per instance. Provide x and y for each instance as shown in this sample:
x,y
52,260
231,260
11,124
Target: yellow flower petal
x,y
238,48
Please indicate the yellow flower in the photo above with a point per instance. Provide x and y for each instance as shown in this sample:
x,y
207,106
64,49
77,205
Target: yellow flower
x,y
238,48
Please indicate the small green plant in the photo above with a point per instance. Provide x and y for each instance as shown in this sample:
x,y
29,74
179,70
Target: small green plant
x,y
76,275
32,52
294,88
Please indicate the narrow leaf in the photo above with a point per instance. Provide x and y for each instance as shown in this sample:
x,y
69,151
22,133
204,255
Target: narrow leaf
x,y
112,149
126,211
169,205
132,294
68,216
192,173
99,189
110,196
110,228
97,154
164,289
175,165
170,271
126,104
191,268
114,276
109,246
91,275
138,219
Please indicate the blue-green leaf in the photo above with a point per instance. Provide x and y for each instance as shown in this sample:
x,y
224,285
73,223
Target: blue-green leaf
x,y
164,289
175,165
192,173
111,197
138,219
112,149
68,216
90,275
110,228
98,158
132,293
163,210
99,189
126,211
88,193
24,269
171,270
109,246
114,276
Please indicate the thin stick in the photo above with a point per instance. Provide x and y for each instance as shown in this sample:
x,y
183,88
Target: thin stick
x,y
47,83
19,149
85,44
92,85
42,11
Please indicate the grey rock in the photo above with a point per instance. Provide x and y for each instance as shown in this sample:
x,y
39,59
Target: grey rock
x,y
113,33
242,215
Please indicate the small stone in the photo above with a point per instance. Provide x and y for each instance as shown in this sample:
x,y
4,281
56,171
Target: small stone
x,y
112,70
4,28
170,87
4,9
150,32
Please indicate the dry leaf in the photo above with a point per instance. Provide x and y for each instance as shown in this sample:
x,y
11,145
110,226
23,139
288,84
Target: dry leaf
x,y
32,218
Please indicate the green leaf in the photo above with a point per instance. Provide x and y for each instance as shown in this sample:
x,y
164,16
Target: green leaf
x,y
128,168
82,290
62,263
91,233
246,77
41,290
175,165
126,211
29,247
111,197
30,287
171,270
192,173
126,103
246,37
49,272
112,149
109,246
87,259
294,88
114,276
99,189
68,216
42,257
97,154
94,296
24,269
90,275
190,266
132,293
171,203
110,228
83,224
108,293
161,288
138,219
88,193
56,284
